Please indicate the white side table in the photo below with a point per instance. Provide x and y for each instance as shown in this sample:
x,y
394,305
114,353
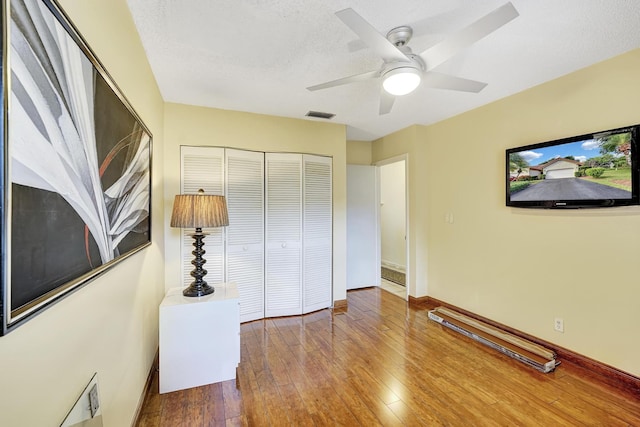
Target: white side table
x,y
199,338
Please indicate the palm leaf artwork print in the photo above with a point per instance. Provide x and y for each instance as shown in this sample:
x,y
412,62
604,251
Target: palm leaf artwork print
x,y
79,161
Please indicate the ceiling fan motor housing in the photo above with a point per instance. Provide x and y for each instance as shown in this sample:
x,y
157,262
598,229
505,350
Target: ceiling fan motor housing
x,y
400,36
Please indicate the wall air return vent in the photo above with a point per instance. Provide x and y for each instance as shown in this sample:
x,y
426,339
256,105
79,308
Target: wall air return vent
x,y
320,115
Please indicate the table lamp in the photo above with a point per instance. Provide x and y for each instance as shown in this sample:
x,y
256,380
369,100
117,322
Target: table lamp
x,y
199,211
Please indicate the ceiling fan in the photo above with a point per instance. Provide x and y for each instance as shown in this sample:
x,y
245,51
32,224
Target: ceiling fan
x,y
403,70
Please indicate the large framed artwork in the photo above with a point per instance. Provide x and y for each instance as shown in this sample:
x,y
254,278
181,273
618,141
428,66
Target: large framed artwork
x,y
76,163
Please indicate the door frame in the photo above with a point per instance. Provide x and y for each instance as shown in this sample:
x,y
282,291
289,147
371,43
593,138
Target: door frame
x,y
378,164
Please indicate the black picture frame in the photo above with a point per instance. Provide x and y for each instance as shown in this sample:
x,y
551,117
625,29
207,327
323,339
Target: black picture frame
x,y
76,164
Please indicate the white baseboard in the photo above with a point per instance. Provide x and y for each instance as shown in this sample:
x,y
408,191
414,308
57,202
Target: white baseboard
x,y
393,266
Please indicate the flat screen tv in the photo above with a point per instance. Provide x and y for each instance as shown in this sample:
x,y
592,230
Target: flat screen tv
x,y
585,171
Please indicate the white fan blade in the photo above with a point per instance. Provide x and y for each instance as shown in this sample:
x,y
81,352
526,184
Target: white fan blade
x,y
446,81
441,23
435,24
386,101
371,36
453,44
346,80
356,45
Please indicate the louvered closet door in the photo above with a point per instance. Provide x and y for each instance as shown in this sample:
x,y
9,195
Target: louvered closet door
x,y
245,233
283,223
317,226
203,167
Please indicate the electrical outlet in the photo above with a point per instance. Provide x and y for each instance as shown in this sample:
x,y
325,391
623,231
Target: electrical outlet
x,y
94,401
558,324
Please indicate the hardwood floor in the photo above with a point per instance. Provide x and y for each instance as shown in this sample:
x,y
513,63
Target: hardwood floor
x,y
384,363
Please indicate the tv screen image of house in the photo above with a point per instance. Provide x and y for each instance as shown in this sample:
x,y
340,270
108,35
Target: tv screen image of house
x,y
592,170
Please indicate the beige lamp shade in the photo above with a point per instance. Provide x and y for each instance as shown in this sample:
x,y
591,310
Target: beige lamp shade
x,y
199,211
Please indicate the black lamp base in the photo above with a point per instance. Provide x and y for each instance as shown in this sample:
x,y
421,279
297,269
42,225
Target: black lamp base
x,y
198,287
198,291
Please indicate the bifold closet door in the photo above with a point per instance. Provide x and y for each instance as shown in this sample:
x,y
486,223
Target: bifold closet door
x,y
245,233
203,168
317,228
278,245
283,224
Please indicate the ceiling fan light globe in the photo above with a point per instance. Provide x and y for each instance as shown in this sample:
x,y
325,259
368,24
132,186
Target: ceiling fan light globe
x,y
401,81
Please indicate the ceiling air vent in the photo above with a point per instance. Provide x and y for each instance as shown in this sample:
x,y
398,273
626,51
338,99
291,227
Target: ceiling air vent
x,y
320,115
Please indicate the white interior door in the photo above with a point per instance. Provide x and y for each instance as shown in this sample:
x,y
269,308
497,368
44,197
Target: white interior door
x,y
393,216
363,229
203,168
283,224
317,227
245,233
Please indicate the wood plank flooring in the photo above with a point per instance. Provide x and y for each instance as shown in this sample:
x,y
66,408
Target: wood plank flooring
x,y
384,363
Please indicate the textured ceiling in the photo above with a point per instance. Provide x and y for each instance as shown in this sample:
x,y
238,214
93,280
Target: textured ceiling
x,y
260,55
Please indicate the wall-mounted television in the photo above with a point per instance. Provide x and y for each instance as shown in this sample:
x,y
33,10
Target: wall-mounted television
x,y
586,171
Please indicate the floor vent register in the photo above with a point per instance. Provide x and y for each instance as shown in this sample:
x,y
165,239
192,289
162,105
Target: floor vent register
x,y
540,358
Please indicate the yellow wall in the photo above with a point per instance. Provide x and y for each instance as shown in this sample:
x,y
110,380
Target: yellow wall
x,y
111,325
524,267
198,126
359,152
